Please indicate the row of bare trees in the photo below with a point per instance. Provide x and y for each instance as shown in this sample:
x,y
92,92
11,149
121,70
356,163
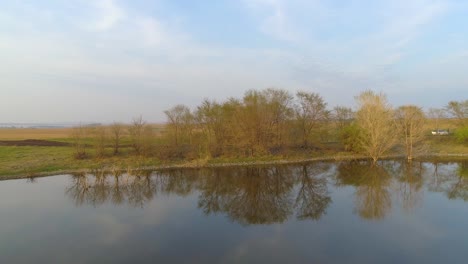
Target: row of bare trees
x,y
261,122
271,121
138,135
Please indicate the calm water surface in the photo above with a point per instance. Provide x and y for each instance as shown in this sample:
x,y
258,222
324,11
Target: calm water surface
x,y
312,213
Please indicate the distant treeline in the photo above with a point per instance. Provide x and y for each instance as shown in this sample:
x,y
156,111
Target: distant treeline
x,y
274,122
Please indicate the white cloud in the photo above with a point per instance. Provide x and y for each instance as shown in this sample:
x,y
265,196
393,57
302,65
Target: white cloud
x,y
152,31
274,20
109,14
407,20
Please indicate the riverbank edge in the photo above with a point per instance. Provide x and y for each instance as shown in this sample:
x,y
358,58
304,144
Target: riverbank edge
x,y
202,165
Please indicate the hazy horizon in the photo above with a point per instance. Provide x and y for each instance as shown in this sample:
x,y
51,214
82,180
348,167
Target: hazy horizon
x,y
111,60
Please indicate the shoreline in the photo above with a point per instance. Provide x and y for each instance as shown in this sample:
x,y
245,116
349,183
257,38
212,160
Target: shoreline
x,y
197,165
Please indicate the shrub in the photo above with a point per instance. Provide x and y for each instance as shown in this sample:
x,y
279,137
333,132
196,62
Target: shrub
x,y
350,138
461,134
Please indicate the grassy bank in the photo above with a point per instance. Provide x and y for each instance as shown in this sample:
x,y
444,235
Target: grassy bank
x,y
22,162
25,161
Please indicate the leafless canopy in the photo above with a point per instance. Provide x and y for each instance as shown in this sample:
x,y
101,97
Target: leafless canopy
x,y
375,118
410,122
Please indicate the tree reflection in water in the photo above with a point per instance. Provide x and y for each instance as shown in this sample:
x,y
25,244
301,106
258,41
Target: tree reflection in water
x,y
79,188
410,182
134,190
247,195
452,182
372,183
313,196
459,189
254,195
267,195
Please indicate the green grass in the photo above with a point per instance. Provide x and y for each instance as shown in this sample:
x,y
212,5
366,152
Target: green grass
x,y
25,160
29,161
446,145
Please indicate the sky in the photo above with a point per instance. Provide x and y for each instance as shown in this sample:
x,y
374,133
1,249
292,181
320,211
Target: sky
x,y
112,60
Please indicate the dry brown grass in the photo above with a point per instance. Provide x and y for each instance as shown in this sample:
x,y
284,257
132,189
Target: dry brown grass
x,y
158,129
450,124
34,133
51,133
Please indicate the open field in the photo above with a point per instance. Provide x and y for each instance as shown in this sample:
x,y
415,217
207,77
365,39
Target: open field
x,y
59,134
34,133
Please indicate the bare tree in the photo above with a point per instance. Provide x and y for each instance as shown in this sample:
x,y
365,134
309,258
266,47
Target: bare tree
x,y
342,115
375,119
188,125
252,122
410,121
436,114
259,123
136,133
310,113
212,118
459,110
280,108
175,118
147,139
78,136
117,130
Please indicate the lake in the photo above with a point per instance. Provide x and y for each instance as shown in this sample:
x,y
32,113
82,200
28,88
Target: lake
x,y
322,212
